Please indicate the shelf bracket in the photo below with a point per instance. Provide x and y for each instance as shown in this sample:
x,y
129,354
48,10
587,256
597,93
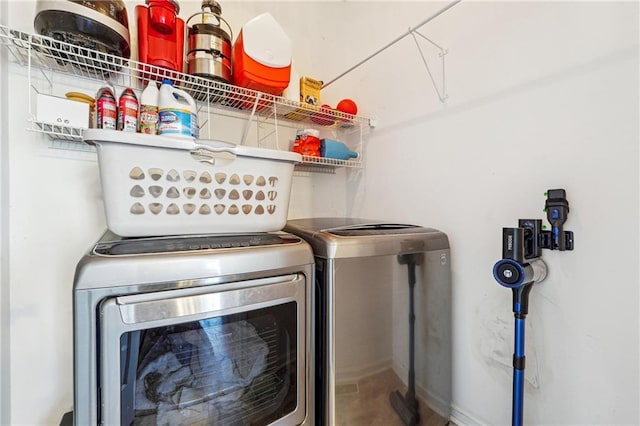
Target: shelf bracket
x,y
411,31
442,95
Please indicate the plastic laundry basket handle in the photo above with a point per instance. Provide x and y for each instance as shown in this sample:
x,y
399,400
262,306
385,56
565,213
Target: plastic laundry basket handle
x,y
210,152
216,146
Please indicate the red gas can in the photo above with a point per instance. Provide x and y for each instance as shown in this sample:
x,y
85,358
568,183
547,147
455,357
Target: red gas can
x,y
160,35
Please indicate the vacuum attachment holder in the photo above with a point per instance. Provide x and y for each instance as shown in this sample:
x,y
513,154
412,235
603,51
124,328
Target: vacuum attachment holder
x,y
521,263
528,239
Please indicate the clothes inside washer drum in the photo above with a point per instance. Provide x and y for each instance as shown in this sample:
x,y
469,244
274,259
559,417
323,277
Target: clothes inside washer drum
x,y
200,366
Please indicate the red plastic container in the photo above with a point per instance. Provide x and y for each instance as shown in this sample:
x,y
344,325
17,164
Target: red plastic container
x,y
307,142
261,56
160,34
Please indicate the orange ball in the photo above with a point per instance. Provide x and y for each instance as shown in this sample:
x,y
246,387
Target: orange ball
x,y
347,106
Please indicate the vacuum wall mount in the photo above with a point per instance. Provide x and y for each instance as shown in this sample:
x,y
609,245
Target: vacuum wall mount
x,y
521,266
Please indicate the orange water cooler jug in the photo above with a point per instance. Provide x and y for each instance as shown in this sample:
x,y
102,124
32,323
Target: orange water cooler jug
x,y
160,34
262,56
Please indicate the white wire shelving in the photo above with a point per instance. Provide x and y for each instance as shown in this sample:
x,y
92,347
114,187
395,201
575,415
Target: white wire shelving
x,y
46,56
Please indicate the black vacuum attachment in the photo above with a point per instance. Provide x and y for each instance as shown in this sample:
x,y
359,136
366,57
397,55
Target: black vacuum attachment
x,y
557,208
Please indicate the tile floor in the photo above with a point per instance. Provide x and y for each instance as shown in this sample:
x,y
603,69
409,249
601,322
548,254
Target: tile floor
x,y
367,403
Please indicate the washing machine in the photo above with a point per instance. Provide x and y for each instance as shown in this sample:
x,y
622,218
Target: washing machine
x,y
365,348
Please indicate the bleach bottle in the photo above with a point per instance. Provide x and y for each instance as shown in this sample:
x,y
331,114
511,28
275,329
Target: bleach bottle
x,y
176,112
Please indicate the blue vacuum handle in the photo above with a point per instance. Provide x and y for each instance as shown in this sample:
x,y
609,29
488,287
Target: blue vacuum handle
x,y
518,373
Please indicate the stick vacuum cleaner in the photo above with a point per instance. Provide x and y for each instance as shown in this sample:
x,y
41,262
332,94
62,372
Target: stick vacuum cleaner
x,y
407,406
521,267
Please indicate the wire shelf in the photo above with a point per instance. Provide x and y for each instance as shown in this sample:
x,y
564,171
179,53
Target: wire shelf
x,y
324,165
44,52
50,55
66,133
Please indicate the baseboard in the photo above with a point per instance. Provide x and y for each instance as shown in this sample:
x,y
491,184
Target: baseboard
x,y
355,375
433,401
462,418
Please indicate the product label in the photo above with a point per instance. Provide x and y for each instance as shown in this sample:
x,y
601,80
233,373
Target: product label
x,y
310,91
128,116
174,121
107,114
149,119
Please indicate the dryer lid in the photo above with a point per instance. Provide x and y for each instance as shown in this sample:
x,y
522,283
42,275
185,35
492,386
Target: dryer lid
x,y
188,243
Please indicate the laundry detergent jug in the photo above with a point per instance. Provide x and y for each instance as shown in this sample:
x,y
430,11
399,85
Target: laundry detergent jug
x,y
176,112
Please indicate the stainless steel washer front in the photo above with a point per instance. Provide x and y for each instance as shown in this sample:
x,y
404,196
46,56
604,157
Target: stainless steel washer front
x,y
194,330
362,332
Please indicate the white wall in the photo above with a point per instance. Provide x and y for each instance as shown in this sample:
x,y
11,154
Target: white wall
x,y
541,95
4,225
52,200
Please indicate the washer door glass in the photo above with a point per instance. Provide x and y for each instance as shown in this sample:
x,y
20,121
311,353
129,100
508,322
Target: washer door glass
x,y
231,357
235,369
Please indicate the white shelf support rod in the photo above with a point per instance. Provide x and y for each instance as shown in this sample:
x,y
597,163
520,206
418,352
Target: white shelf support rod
x,y
31,111
410,31
245,132
275,124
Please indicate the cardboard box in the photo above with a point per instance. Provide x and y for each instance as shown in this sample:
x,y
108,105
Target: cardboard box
x,y
310,91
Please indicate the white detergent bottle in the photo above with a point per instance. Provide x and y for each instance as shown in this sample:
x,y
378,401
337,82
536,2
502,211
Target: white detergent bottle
x,y
177,112
148,117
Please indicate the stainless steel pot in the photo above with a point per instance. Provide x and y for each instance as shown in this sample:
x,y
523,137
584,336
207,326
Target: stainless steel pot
x,y
205,64
209,43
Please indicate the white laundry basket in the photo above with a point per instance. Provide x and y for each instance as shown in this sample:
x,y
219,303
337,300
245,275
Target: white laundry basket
x,y
155,185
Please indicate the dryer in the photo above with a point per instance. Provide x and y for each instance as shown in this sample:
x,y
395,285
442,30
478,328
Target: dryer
x,y
208,329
